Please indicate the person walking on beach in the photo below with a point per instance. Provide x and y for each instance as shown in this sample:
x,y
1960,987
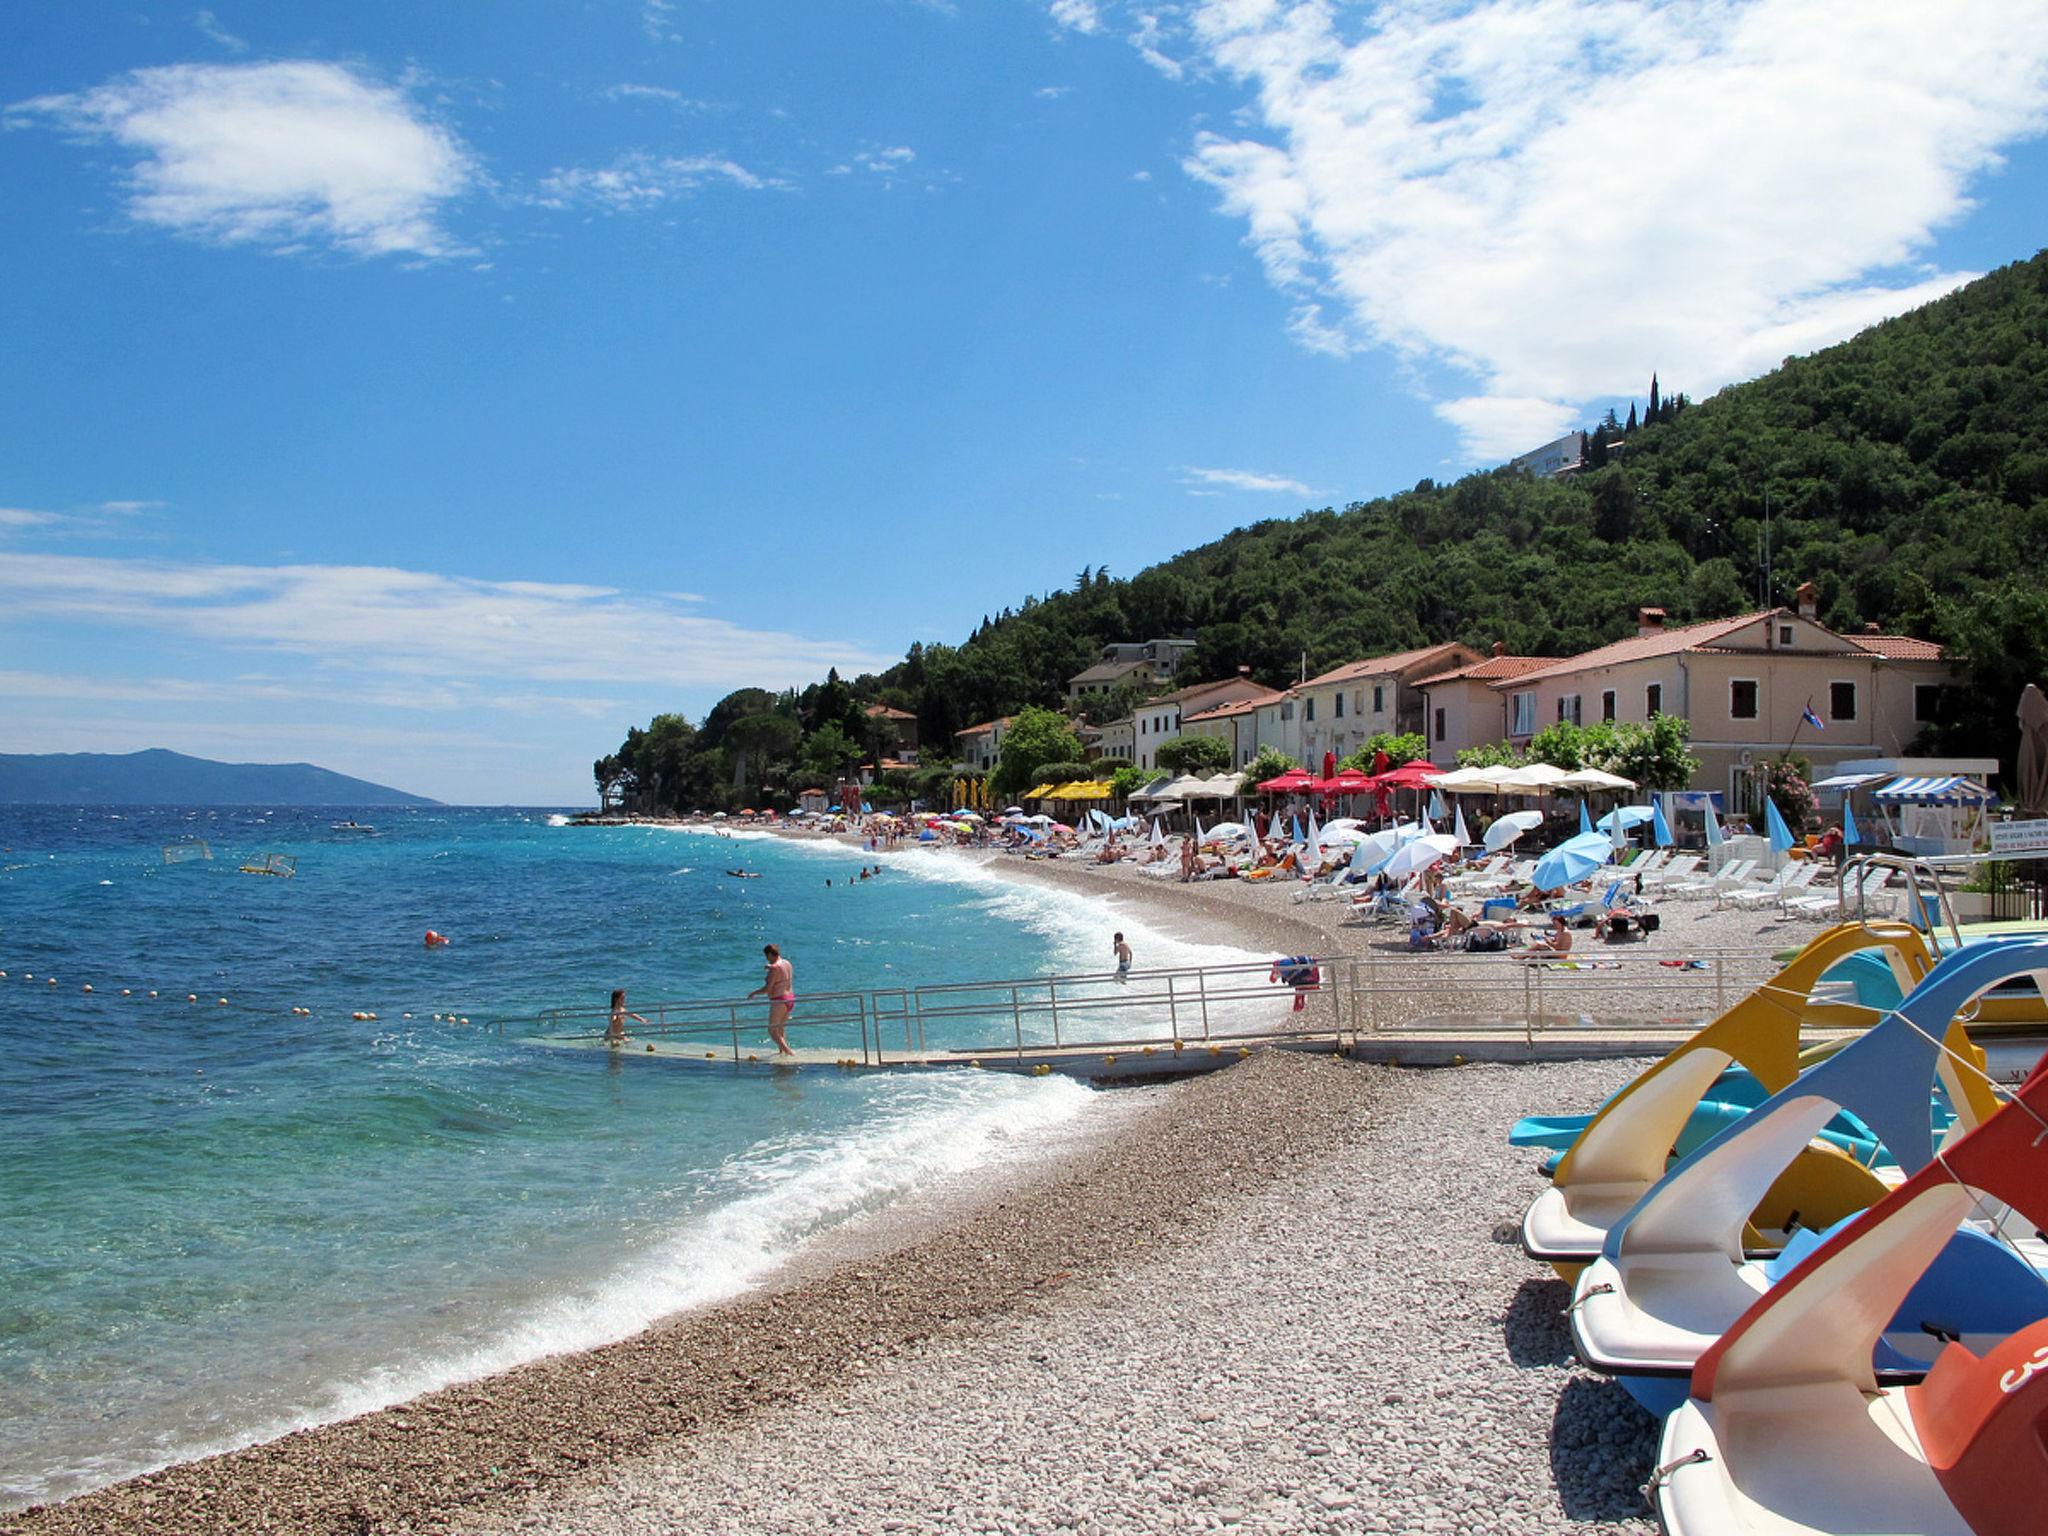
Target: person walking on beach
x,y
1123,956
779,988
615,1032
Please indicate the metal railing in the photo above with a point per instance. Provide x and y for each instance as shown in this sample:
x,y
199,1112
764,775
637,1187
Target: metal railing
x,y
1349,997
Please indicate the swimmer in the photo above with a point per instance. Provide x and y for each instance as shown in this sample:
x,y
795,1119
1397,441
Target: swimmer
x,y
780,990
1122,951
615,1033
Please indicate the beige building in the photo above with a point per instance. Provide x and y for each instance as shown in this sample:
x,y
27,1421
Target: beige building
x,y
1143,664
1462,707
1119,740
1236,724
1342,709
1744,684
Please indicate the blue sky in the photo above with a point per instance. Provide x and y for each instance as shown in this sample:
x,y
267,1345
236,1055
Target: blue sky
x,y
431,392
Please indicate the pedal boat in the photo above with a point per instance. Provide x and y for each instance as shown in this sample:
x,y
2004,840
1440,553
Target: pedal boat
x,y
1788,1431
1627,1146
1675,1272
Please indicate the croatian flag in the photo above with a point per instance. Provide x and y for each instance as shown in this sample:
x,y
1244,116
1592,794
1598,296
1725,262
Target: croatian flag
x,y
1811,718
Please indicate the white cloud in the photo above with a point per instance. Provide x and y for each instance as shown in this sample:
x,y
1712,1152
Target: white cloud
x,y
390,622
640,180
1546,199
1077,15
629,92
1052,92
285,155
105,518
210,25
1147,38
23,517
1243,480
1141,175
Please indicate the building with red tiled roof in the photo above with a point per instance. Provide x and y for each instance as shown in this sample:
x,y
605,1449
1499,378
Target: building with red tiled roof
x,y
1340,710
903,726
1460,707
981,745
1746,685
1159,720
1235,723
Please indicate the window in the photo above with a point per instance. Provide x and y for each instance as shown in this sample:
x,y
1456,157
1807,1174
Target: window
x,y
1742,699
1841,701
1568,707
1439,726
1287,710
1784,634
1308,709
1607,705
1524,715
1340,704
1653,699
1379,698
1575,711
1926,702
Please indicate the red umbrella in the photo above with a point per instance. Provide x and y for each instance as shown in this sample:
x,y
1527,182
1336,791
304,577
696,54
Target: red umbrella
x,y
1293,782
1349,782
1415,775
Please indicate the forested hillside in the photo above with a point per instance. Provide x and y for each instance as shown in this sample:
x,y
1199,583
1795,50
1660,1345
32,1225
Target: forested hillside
x,y
1905,472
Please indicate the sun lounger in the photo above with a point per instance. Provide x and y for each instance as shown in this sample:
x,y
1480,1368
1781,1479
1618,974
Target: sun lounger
x,y
1731,874
1789,881
1670,872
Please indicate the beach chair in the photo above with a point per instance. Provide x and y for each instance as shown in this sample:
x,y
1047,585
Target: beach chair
x,y
1823,905
1671,872
1731,874
1648,863
1789,881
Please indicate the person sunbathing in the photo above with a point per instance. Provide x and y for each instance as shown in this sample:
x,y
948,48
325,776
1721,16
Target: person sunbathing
x,y
1558,941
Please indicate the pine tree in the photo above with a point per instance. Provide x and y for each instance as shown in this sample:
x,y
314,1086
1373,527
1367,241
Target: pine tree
x,y
1655,414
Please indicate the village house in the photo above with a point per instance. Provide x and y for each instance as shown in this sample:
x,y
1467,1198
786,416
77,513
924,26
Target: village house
x,y
1342,709
980,745
1745,684
1462,708
900,749
1119,740
1235,723
1159,720
1143,664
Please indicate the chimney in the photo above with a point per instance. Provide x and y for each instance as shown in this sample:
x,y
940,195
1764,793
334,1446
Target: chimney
x,y
1649,621
1500,647
1872,629
1808,597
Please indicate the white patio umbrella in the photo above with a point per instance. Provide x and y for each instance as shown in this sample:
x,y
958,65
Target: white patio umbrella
x,y
1537,778
1158,835
1511,826
1420,853
1382,843
1594,778
1467,781
1458,829
1229,829
1312,852
1339,824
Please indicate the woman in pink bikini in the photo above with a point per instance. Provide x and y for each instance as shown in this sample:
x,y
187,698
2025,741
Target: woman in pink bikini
x,y
780,990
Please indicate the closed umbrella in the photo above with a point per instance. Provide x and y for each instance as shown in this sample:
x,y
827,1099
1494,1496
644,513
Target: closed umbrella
x,y
1850,835
1315,833
1312,855
1585,819
1458,830
1775,828
1436,806
1660,829
1714,838
1294,828
1617,830
1571,861
1158,834
1200,836
1511,826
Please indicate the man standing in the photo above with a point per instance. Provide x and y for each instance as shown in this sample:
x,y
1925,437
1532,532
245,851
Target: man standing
x,y
780,989
1123,957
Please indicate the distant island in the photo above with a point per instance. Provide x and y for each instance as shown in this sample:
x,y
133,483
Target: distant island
x,y
161,777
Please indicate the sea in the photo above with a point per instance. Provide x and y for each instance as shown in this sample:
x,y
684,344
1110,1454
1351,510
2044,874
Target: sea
x,y
231,1205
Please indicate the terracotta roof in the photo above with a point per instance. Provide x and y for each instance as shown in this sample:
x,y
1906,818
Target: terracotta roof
x,y
1490,670
1109,671
888,712
1899,647
986,725
1380,666
1664,642
1220,711
1194,688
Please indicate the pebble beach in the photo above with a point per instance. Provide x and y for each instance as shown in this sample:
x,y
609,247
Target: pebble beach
x,y
1285,1296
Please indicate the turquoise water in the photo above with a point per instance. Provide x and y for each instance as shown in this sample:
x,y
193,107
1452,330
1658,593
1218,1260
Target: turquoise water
x,y
219,1222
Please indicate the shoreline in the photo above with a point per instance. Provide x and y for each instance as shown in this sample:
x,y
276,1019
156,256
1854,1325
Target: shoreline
x,y
986,1248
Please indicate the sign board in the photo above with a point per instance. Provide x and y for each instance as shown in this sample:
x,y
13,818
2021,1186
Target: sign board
x,y
2010,837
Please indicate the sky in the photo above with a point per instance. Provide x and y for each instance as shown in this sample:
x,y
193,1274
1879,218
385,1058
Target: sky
x,y
431,392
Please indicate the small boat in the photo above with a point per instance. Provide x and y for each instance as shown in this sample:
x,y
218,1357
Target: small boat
x,y
1626,1147
1673,1274
282,865
1788,1429
351,826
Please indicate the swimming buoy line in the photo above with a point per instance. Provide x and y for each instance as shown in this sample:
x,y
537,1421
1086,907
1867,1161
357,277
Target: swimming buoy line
x,y
213,1000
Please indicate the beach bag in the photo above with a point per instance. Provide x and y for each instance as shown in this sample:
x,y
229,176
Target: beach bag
x,y
1491,941
1651,922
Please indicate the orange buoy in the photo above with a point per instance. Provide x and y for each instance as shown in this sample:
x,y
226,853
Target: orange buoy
x,y
435,939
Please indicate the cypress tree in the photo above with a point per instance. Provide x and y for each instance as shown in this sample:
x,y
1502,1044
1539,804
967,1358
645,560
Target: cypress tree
x,y
1631,416
1654,414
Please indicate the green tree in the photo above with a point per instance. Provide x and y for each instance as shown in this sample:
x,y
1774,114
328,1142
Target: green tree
x,y
1127,780
1405,747
1657,755
1035,736
1064,773
828,753
1269,763
1491,754
1202,756
1562,745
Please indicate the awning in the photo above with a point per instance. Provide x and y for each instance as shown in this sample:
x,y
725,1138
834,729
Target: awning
x,y
1039,793
1083,789
1947,789
1849,780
